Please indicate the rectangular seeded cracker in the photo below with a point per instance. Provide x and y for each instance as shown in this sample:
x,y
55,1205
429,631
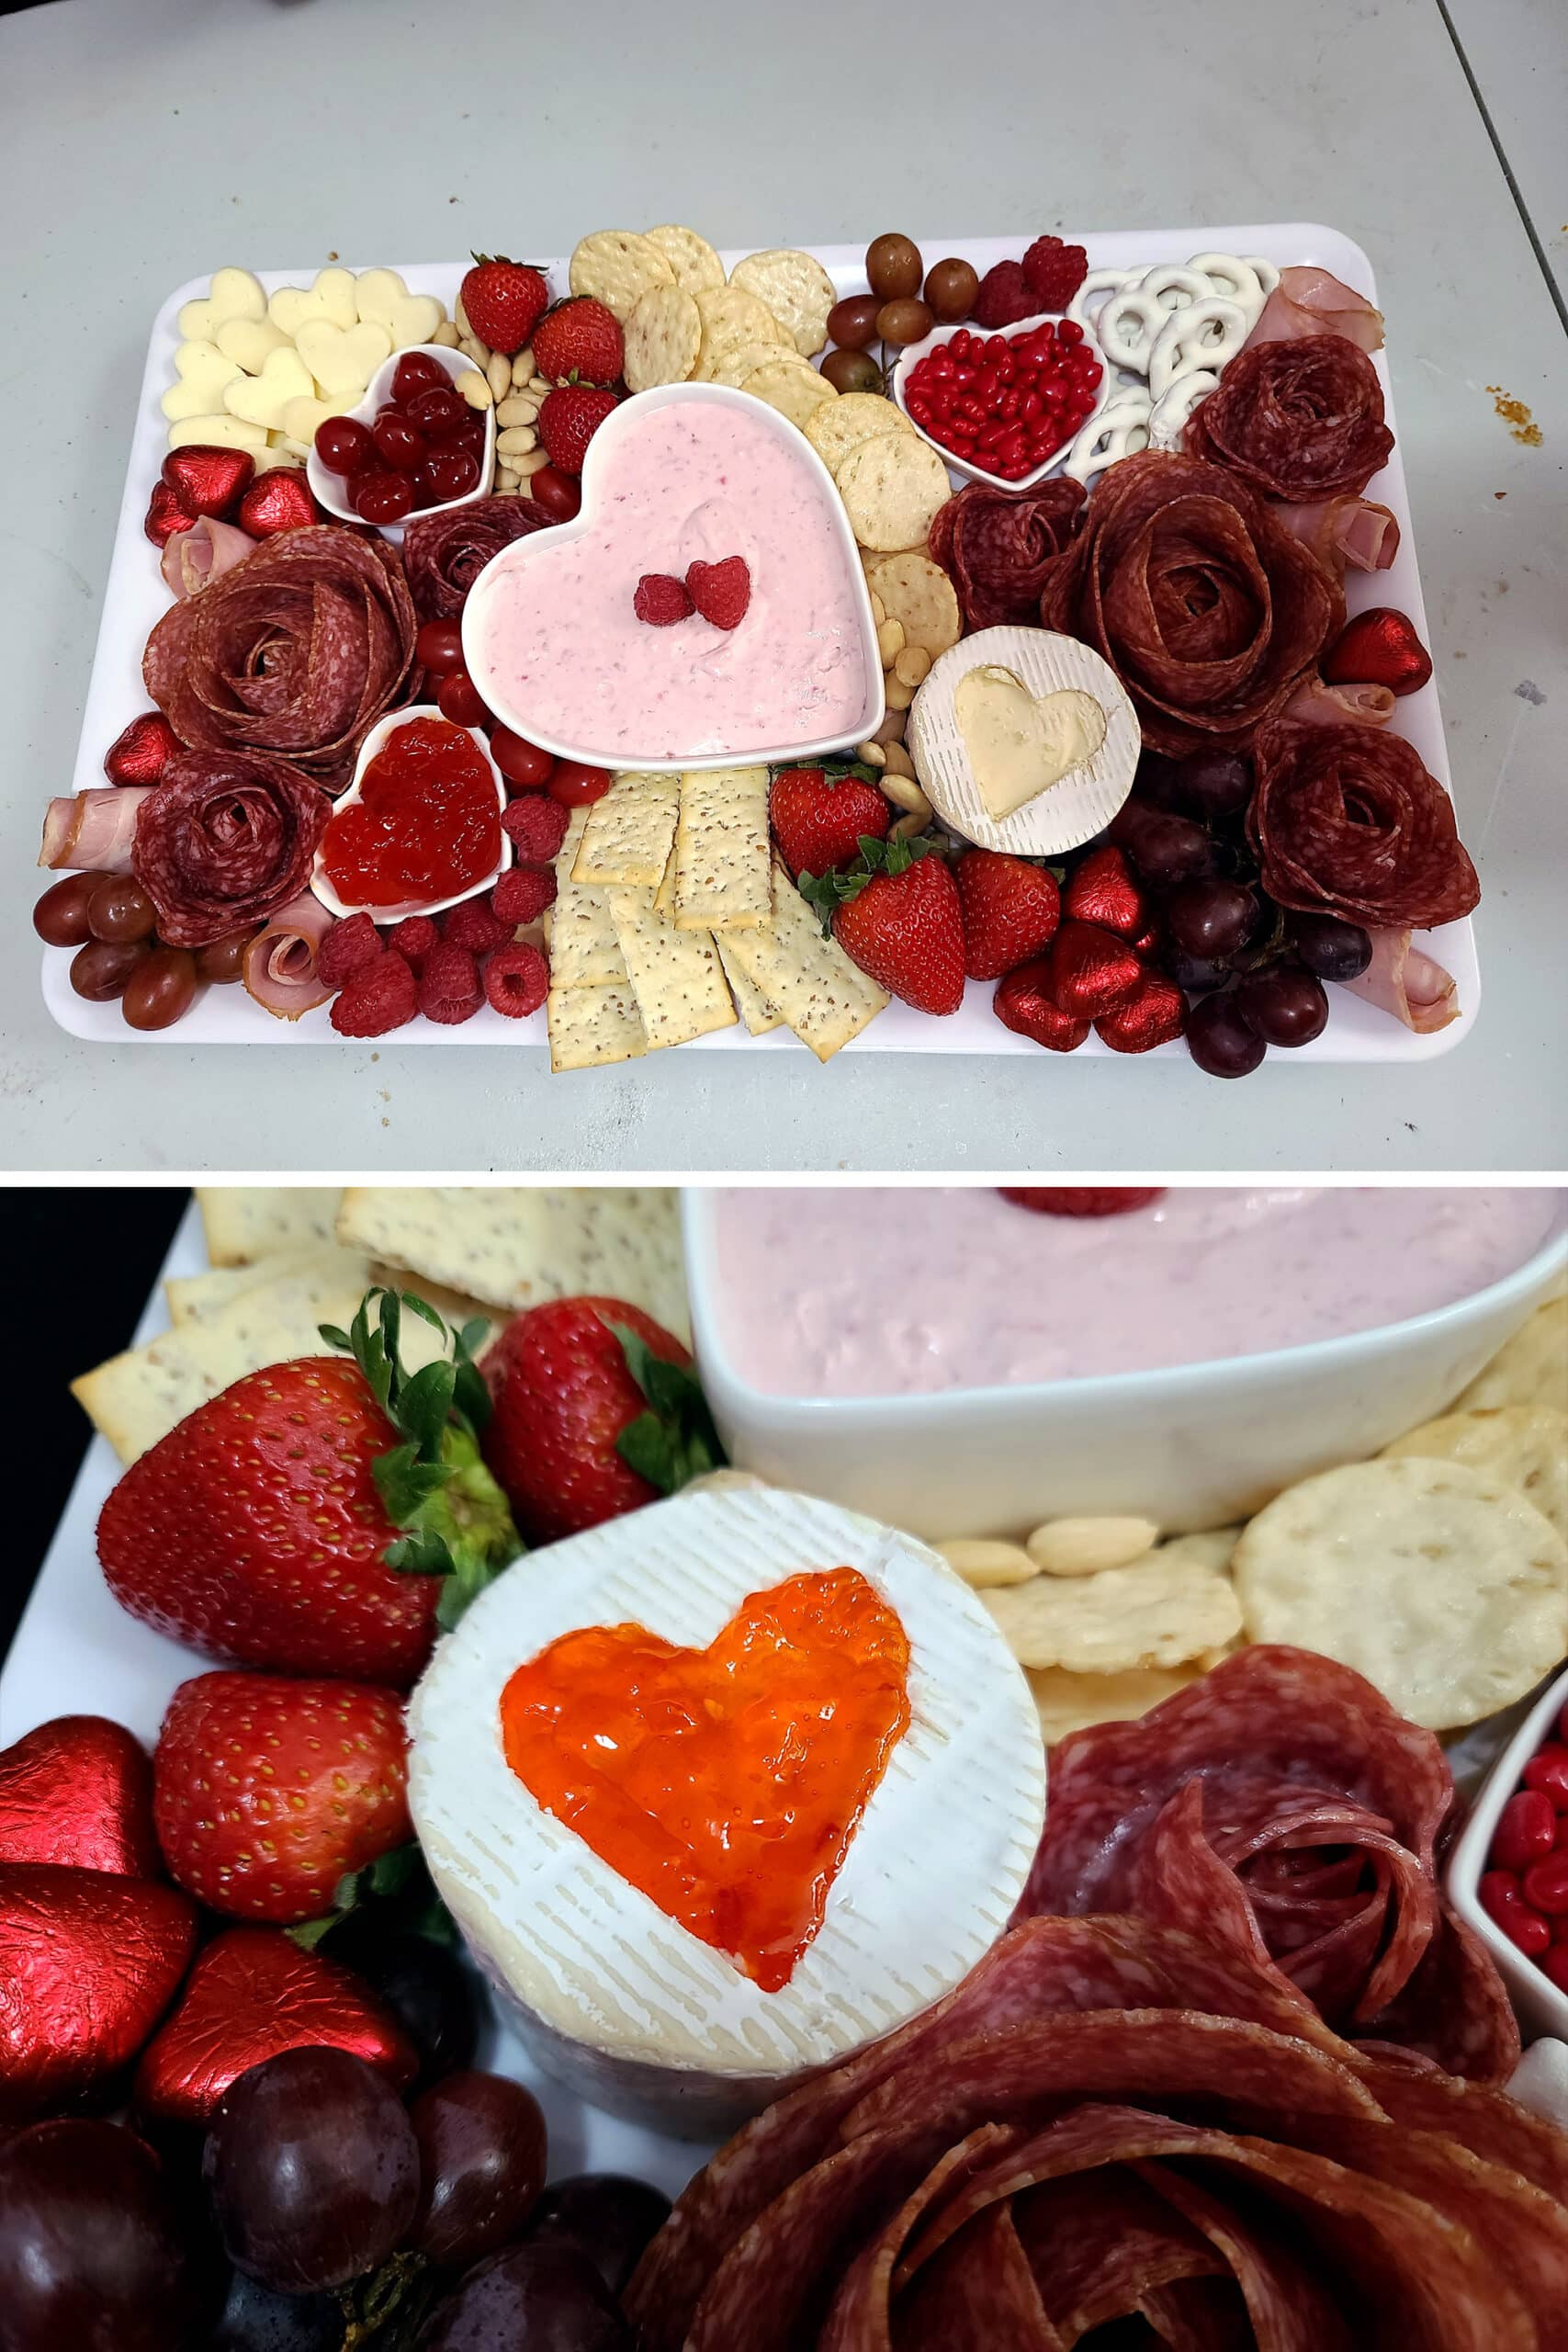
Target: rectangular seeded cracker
x,y
759,1014
823,996
243,1222
675,975
594,1024
721,850
583,949
627,840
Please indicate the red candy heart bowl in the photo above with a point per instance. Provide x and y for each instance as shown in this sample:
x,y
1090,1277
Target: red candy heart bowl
x,y
1097,393
683,475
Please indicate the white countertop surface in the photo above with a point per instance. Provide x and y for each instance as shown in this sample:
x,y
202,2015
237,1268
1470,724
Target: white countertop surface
x,y
144,140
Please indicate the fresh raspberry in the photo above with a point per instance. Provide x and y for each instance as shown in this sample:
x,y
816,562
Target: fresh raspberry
x,y
1054,272
412,939
1082,1200
473,926
1004,297
569,419
517,980
523,895
535,826
660,600
351,946
720,592
579,342
449,989
381,997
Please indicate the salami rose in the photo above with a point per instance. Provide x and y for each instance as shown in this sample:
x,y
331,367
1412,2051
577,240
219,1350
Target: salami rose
x,y
995,545
1302,420
444,554
225,839
1346,821
1210,611
295,652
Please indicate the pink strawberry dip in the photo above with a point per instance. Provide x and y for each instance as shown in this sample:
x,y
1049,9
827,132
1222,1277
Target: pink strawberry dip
x,y
553,642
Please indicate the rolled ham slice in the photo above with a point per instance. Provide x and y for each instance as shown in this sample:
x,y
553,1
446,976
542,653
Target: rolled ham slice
x,y
1404,981
91,833
195,558
279,970
1341,531
1313,301
1322,704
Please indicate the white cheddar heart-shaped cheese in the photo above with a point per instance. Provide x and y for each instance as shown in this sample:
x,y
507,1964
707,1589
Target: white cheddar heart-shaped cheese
x,y
203,377
342,360
330,296
228,431
250,343
385,301
276,453
233,294
261,400
1019,744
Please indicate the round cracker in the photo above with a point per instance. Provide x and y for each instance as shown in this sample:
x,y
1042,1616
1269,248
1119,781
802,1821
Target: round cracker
x,y
893,488
1525,1445
617,268
919,594
796,287
1531,1367
1437,1582
1068,1702
663,337
1159,1612
731,363
732,317
796,392
853,418
690,257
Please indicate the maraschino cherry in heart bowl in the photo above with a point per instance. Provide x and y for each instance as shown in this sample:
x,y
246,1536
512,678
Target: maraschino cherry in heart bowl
x,y
584,640
393,403
418,830
1004,408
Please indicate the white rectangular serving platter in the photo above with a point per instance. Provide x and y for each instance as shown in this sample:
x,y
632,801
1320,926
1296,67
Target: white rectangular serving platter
x,y
77,1652
136,597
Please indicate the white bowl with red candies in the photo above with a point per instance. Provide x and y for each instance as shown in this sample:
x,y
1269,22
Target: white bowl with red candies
x,y
1509,1877
414,446
1003,407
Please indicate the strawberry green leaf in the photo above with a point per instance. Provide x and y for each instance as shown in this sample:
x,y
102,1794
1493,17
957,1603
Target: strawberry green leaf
x,y
393,1893
335,1338
675,1440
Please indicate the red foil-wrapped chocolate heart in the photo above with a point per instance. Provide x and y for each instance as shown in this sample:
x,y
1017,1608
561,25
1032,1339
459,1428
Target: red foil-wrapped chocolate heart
x,y
1023,1002
278,501
1379,648
140,752
78,1793
1101,890
88,1964
166,514
208,477
1153,1015
252,1994
1092,971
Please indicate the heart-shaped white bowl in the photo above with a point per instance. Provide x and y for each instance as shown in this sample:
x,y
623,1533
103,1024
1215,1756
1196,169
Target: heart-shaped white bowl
x,y
625,420
328,488
368,750
915,351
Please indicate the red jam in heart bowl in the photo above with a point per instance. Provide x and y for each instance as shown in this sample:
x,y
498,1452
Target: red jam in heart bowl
x,y
421,829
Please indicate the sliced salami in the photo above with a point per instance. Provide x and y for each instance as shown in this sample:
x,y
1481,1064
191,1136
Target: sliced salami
x,y
1347,819
995,546
225,839
978,2294
444,553
1301,420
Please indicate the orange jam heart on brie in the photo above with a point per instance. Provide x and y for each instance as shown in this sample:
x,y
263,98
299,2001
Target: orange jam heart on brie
x,y
726,1783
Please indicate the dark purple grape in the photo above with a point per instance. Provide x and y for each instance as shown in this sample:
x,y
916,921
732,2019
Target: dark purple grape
x,y
1165,849
255,2320
313,2169
1212,919
1212,786
1196,972
547,2298
481,2158
1284,1004
1332,948
435,1997
607,2216
1219,1040
90,2251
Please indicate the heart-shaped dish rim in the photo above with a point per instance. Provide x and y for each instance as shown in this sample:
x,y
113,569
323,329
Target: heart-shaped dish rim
x,y
615,426
368,750
456,363
914,352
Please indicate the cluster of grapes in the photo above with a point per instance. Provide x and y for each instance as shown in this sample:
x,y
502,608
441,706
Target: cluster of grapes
x,y
320,2210
1256,971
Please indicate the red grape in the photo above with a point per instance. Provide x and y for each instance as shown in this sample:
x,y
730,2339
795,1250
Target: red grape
x,y
1211,918
439,646
560,494
481,2158
1164,848
90,2250
1284,1004
59,917
1219,1040
1334,949
1197,974
220,962
458,698
313,2169
343,444
1210,786
162,989
575,785
101,970
607,2216
120,909
255,2320
548,2296
520,761
436,2000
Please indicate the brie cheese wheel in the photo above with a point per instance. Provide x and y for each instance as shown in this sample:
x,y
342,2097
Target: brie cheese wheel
x,y
1023,740
614,1996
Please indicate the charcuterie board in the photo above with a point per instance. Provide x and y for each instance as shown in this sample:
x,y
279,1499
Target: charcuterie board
x,y
136,598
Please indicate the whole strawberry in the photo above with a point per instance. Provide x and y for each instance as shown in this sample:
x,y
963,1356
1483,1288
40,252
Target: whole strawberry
x,y
569,419
896,912
821,816
268,1791
271,1525
1082,1200
1010,912
504,300
579,342
596,1412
